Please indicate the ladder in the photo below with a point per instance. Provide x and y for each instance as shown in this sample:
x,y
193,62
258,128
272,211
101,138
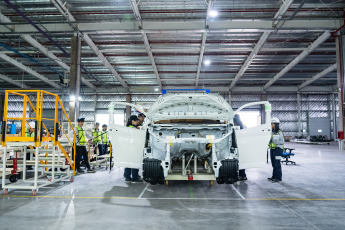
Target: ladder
x,y
50,154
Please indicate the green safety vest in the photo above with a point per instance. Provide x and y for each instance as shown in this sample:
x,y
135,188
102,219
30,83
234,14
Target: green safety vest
x,y
97,136
271,144
105,137
81,136
27,133
131,126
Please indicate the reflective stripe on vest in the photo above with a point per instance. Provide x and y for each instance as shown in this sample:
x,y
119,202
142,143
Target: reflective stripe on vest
x,y
131,126
81,136
271,145
97,136
105,138
27,133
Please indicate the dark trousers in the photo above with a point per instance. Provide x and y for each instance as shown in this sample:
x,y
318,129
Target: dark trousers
x,y
100,148
81,152
276,155
242,173
133,172
104,149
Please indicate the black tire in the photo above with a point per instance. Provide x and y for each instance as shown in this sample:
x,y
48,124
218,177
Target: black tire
x,y
153,171
228,172
13,178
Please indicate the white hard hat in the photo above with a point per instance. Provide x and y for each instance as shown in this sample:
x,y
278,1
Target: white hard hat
x,y
32,124
275,120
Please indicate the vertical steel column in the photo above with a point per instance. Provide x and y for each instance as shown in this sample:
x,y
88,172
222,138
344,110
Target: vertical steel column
x,y
75,77
262,110
299,127
334,117
128,108
340,53
95,108
1,106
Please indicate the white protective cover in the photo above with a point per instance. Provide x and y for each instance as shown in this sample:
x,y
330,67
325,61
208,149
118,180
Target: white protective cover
x,y
128,150
253,142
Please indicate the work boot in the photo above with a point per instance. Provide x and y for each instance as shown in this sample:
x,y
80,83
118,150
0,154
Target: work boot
x,y
270,178
242,178
90,171
275,181
80,171
137,181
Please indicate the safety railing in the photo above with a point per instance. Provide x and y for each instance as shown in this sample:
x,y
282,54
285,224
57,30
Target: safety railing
x,y
39,120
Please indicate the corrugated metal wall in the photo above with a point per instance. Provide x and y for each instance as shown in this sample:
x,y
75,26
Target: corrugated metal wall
x,y
284,106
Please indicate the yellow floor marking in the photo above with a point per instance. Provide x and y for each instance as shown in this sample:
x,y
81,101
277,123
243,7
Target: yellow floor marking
x,y
136,198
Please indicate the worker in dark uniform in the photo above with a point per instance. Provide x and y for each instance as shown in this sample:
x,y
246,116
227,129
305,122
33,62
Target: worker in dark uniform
x,y
276,146
141,118
131,174
97,139
242,172
81,143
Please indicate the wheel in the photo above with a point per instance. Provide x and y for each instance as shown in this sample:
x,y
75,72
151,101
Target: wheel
x,y
50,178
166,182
220,180
34,192
13,178
5,191
211,182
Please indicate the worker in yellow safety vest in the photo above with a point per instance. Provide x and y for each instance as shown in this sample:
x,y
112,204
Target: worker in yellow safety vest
x,y
276,146
105,139
30,132
97,139
81,143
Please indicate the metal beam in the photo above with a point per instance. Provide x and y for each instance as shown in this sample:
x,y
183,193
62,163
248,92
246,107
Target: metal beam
x,y
65,12
299,58
319,75
45,51
5,78
203,42
240,26
250,58
29,70
146,41
283,8
201,56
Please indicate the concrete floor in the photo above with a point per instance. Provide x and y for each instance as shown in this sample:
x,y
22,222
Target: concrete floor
x,y
311,196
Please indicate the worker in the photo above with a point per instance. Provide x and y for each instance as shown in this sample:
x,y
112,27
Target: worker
x,y
141,118
105,139
81,145
97,139
30,132
242,172
276,146
131,174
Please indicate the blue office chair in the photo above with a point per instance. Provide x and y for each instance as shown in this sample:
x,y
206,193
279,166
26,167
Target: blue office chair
x,y
287,153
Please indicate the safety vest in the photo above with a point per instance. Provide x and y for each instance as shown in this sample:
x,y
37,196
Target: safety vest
x,y
97,136
81,136
274,146
105,137
131,126
27,133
